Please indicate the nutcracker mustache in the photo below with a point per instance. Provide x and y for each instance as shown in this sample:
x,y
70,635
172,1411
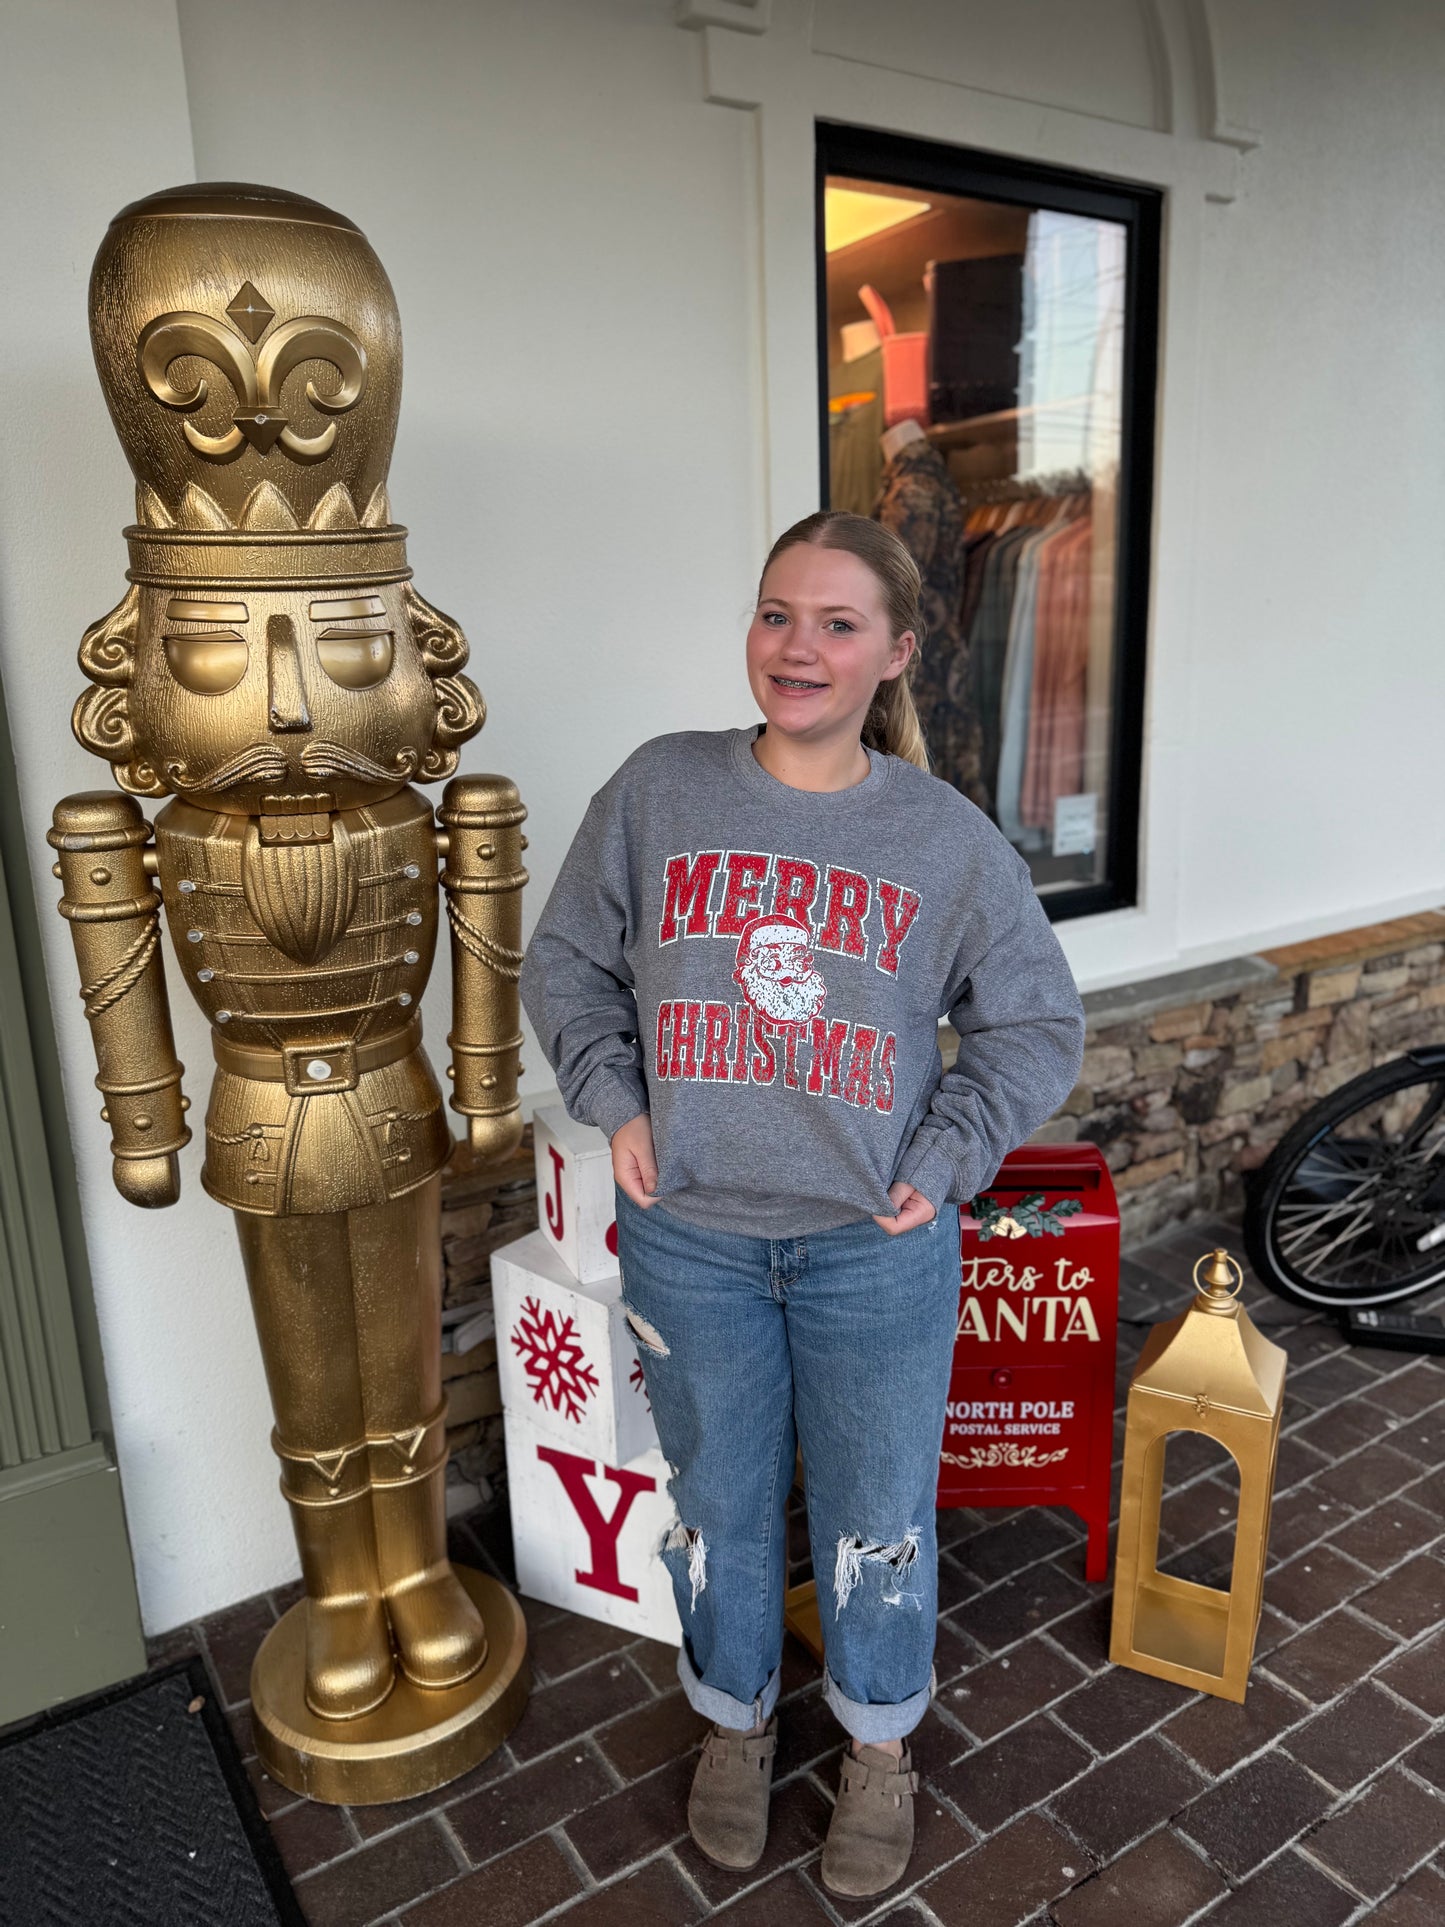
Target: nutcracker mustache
x,y
331,759
264,763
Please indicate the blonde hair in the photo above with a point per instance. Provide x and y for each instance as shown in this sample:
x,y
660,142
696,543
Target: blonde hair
x,y
892,724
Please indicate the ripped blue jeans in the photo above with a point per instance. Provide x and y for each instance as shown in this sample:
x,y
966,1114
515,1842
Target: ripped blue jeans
x,y
841,1341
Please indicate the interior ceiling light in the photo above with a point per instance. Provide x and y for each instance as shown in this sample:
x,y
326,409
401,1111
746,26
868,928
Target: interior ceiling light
x,y
851,214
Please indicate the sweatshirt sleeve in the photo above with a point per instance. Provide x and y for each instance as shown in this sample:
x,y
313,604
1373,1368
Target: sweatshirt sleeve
x,y
576,983
1020,1025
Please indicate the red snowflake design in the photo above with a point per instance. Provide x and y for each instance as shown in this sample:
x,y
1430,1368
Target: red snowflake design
x,y
638,1382
553,1360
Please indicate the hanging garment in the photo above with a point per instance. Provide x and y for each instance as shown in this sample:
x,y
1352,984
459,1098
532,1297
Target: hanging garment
x,y
988,646
1017,690
921,505
975,555
1054,755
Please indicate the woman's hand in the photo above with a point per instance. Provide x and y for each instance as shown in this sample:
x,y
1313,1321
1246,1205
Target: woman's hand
x,y
913,1208
634,1160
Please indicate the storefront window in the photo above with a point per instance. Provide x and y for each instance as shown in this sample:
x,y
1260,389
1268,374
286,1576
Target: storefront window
x,y
988,354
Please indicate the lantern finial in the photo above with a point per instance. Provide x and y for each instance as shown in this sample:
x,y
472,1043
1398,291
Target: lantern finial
x,y
1221,1284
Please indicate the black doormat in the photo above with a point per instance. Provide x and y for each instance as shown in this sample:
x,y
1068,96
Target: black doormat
x,y
129,1809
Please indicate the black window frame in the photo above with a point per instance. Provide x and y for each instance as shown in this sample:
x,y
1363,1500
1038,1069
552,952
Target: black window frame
x,y
901,160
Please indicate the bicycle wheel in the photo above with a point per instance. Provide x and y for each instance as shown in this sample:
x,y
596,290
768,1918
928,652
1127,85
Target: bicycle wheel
x,y
1349,1208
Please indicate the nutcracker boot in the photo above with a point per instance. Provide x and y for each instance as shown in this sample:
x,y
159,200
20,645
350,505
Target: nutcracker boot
x,y
349,1665
438,1631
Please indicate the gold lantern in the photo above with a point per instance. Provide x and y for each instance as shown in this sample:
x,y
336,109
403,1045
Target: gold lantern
x,y
1208,1371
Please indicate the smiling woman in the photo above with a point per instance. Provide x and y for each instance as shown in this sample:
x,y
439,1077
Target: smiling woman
x,y
832,651
738,977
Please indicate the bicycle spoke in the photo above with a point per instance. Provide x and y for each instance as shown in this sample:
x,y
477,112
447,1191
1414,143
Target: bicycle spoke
x,y
1311,1221
1351,1217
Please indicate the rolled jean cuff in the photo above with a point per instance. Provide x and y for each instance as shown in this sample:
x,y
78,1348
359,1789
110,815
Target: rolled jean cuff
x,y
871,1724
721,1708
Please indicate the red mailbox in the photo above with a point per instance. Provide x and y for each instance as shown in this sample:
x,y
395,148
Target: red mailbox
x,y
1031,1402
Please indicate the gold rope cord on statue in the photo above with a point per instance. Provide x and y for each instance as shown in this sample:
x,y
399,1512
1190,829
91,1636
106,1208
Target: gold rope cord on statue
x,y
487,951
108,990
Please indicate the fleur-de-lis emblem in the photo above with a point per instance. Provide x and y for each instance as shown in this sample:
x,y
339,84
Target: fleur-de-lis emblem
x,y
256,374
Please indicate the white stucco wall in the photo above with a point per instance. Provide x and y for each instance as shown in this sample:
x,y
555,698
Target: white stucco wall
x,y
1311,792
93,113
605,282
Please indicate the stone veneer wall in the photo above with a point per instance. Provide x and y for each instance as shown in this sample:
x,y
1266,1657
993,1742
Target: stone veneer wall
x,y
1185,1092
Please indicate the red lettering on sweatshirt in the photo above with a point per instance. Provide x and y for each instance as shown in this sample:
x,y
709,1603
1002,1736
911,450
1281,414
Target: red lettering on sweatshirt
x,y
857,1088
826,1062
686,888
662,1049
884,1099
899,906
764,1062
784,968
790,1057
745,873
682,1059
795,888
716,1043
717,1029
847,907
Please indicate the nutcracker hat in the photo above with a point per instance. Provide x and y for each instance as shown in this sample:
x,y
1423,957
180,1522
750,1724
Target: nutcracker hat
x,y
249,347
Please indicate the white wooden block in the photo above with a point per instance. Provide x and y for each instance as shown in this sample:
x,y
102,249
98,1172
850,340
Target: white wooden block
x,y
588,1534
565,1353
575,1193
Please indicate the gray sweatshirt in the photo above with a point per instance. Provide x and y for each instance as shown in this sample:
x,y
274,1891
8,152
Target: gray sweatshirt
x,y
763,969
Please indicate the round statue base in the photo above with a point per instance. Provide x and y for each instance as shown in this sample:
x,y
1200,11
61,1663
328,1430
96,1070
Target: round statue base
x,y
418,1739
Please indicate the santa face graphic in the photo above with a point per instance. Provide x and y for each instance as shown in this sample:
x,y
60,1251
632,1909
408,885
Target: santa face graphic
x,y
775,970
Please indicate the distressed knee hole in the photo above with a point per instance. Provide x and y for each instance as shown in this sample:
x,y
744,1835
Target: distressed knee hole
x,y
647,1334
897,1562
689,1538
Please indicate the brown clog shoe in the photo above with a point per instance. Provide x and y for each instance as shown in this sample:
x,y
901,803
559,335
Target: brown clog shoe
x,y
727,1810
870,1836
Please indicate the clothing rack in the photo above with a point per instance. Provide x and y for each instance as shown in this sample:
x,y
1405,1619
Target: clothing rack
x,y
1028,588
1074,481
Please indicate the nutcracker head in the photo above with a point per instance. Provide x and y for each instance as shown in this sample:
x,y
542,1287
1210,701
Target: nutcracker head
x,y
271,654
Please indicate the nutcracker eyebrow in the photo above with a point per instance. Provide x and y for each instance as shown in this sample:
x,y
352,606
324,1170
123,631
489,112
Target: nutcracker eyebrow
x,y
185,609
347,609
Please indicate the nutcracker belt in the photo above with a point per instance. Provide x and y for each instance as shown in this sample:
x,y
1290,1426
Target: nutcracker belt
x,y
310,1069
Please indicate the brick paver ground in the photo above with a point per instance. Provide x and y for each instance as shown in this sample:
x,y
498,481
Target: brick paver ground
x,y
1058,1791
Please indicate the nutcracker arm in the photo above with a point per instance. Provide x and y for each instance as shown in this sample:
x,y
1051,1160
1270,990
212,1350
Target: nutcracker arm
x,y
482,879
114,915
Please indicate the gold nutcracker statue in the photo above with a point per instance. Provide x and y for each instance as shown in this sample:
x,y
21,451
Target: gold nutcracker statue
x,y
272,669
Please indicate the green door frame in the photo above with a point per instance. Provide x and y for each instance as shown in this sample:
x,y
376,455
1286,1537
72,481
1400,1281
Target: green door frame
x,y
69,1616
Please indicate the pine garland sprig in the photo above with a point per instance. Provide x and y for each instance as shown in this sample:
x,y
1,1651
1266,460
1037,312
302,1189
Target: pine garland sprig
x,y
1025,1219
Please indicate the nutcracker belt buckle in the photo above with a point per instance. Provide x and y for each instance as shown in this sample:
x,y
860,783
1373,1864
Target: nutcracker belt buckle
x,y
313,1068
